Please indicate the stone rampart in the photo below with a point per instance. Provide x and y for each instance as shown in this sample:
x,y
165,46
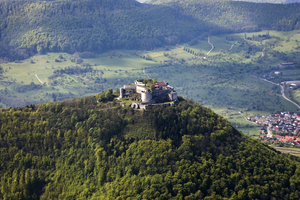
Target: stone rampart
x,y
140,89
129,87
146,97
158,93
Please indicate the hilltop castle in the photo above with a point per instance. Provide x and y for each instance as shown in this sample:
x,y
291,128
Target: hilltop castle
x,y
149,92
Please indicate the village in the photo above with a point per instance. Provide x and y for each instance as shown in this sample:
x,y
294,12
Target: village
x,y
283,127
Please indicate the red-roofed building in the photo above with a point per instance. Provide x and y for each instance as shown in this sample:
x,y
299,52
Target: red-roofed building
x,y
289,137
284,140
279,137
160,84
262,136
288,63
290,140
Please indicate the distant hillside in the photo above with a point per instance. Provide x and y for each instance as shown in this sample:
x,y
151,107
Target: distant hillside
x,y
93,25
81,149
271,1
100,25
225,15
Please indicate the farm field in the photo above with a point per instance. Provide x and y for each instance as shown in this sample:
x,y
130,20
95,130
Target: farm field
x,y
292,151
220,81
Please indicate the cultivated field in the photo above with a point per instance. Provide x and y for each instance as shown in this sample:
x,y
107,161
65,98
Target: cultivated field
x,y
292,151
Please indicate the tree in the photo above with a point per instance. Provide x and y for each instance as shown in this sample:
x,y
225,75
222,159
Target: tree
x,y
108,94
152,87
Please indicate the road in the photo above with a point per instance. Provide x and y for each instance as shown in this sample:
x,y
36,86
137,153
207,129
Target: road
x,y
282,90
269,134
212,46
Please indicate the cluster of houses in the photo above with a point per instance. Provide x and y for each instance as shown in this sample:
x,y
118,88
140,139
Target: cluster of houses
x,y
284,123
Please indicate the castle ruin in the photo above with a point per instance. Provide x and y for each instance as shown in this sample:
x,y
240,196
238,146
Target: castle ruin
x,y
161,92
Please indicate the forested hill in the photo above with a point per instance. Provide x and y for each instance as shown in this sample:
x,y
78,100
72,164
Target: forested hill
x,y
81,149
271,1
227,15
100,25
92,25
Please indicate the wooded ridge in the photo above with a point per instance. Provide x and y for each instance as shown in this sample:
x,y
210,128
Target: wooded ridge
x,y
83,149
100,25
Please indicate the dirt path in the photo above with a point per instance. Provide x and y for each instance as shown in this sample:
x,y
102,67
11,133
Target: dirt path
x,y
38,79
212,46
248,120
231,46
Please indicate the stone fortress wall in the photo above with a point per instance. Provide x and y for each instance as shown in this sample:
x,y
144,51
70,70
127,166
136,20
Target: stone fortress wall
x,y
147,97
162,93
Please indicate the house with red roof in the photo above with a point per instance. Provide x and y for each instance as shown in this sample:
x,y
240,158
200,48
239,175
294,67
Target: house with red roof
x,y
296,131
160,84
279,137
289,137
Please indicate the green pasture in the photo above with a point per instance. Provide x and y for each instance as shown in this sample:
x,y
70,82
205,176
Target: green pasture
x,y
125,63
250,130
288,105
296,94
116,70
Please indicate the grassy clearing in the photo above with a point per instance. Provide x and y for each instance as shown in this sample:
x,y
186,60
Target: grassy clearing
x,y
116,71
296,94
251,131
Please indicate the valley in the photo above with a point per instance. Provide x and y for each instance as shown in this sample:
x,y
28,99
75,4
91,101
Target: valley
x,y
157,99
221,80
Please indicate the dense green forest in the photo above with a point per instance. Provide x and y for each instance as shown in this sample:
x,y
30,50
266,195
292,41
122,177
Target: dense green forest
x,y
81,149
29,27
239,16
93,25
